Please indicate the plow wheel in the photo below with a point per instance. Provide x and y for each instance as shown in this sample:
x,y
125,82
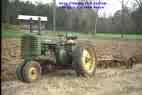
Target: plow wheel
x,y
31,71
84,60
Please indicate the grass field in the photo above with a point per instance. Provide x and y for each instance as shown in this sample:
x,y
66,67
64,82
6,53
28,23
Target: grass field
x,y
18,34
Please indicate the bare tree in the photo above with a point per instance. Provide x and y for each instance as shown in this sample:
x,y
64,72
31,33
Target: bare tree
x,y
93,25
123,5
139,2
54,15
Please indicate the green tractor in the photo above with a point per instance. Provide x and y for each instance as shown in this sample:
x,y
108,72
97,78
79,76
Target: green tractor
x,y
67,52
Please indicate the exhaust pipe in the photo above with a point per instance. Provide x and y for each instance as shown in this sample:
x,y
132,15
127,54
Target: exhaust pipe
x,y
31,22
39,26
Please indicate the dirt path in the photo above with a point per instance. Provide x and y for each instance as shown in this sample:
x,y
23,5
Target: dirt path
x,y
112,81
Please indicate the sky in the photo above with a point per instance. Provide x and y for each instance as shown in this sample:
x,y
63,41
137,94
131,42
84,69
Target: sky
x,y
111,7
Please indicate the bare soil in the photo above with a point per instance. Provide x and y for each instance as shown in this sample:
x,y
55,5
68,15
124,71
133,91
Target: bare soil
x,y
110,81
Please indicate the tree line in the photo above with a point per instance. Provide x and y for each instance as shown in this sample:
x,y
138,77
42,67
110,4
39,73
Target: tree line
x,y
79,20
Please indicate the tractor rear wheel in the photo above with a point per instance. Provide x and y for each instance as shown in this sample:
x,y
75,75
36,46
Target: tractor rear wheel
x,y
84,60
31,71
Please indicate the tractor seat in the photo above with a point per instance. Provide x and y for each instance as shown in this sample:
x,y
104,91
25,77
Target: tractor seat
x,y
71,37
